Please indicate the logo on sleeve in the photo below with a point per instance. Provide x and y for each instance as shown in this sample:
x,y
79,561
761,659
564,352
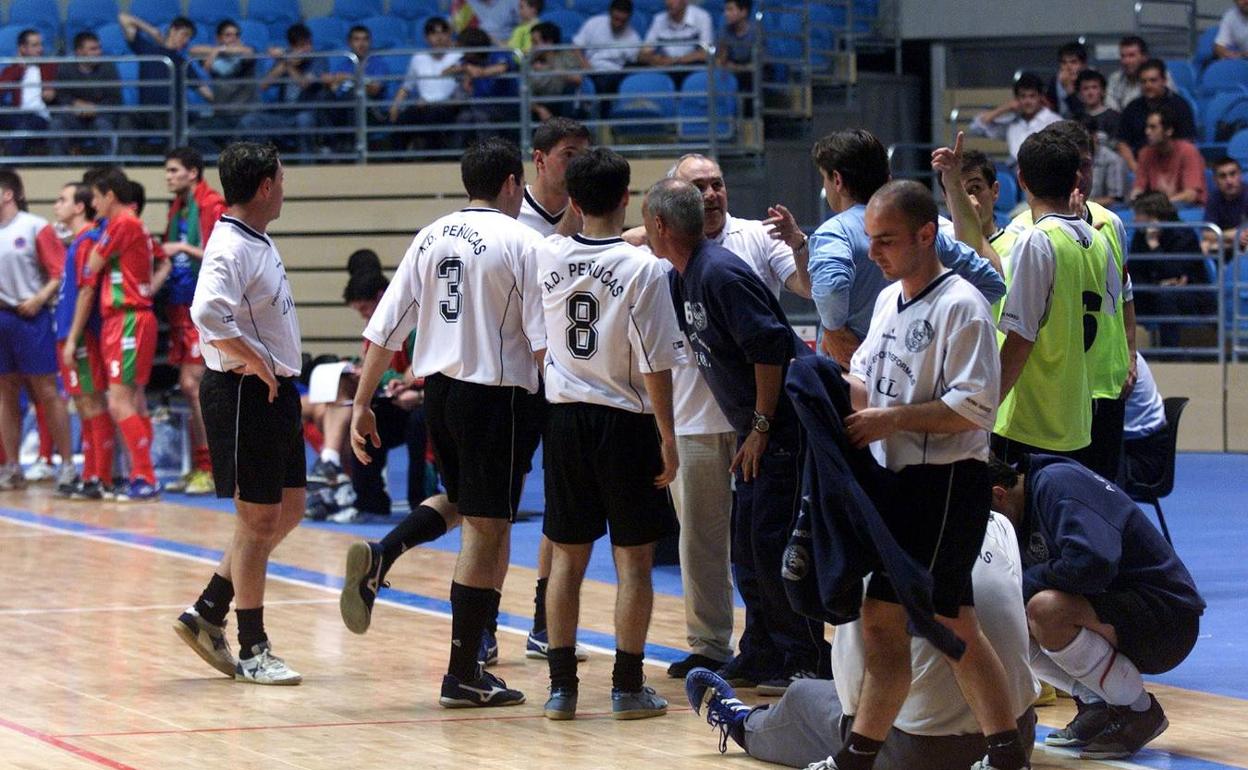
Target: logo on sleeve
x,y
919,335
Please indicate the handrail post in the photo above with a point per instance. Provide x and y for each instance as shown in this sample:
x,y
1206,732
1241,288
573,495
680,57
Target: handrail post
x,y
361,111
712,110
526,103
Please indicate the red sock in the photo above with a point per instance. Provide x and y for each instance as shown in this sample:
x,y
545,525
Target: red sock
x,y
312,434
105,444
137,433
203,459
45,435
88,450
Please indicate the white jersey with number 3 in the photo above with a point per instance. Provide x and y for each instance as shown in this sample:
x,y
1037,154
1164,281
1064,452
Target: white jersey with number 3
x,y
607,319
462,282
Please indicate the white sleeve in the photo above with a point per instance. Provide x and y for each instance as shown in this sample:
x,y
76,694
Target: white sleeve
x,y
1027,303
411,81
1225,37
652,34
972,371
780,258
653,329
218,295
706,33
531,296
1128,291
580,38
396,314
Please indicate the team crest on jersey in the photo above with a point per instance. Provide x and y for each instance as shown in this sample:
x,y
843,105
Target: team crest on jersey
x,y
20,242
1037,549
695,315
919,335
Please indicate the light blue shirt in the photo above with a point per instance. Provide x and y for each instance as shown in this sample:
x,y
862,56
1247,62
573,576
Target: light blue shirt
x,y
844,281
1145,411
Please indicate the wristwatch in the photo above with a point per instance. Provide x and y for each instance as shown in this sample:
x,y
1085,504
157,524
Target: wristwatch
x,y
761,424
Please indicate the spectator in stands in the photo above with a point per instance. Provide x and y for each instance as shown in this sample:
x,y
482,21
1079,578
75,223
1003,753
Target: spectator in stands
x,y
562,63
522,36
231,72
1169,165
1154,93
299,78
1124,85
679,36
482,81
1109,170
340,83
430,80
1154,207
1018,118
27,96
735,46
1145,450
1232,39
1063,90
596,40
78,89
145,40
1228,202
1090,85
496,18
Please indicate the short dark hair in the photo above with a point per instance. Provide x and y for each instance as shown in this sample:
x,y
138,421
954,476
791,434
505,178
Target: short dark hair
x,y
359,28
549,31
1157,205
859,157
136,195
974,160
911,199
24,36
537,5
113,180
1086,75
12,181
1225,160
621,5
225,24
1001,473
1074,131
1029,81
95,172
243,167
1048,164
363,261
364,286
84,37
298,34
474,38
82,195
1165,114
1134,40
486,164
1154,64
1075,49
190,159
598,180
435,23
181,22
551,132
745,5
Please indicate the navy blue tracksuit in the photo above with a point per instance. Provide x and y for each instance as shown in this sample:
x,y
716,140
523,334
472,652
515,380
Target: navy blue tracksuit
x,y
734,322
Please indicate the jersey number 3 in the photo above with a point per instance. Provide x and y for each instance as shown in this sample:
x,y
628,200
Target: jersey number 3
x,y
582,334
450,270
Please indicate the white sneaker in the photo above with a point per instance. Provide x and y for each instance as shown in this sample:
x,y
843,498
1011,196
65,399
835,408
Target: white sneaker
x,y
11,477
983,765
208,641
823,764
265,668
66,475
40,470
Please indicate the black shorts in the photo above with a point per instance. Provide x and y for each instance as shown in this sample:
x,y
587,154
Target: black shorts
x,y
600,463
1152,635
1012,452
256,446
484,437
940,520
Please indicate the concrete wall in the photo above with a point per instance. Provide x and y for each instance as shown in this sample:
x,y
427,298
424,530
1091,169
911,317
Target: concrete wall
x,y
952,19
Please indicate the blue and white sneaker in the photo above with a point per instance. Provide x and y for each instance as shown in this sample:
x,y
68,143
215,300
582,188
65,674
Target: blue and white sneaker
x,y
704,687
561,706
538,643
360,585
263,667
642,704
485,691
488,655
208,641
138,491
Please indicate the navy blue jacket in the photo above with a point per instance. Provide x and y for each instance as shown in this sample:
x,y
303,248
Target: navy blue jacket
x,y
1083,535
840,537
734,322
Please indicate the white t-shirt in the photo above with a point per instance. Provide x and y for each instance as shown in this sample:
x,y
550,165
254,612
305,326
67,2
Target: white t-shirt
x,y
936,705
678,38
463,283
938,344
242,291
21,273
32,92
424,76
535,216
606,319
1233,30
1014,128
594,38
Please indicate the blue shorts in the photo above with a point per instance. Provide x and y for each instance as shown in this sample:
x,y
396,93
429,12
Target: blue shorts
x,y
27,345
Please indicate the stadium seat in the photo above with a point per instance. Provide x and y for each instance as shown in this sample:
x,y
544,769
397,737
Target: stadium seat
x,y
156,12
695,103
112,40
411,10
715,8
328,33
1182,73
1223,75
645,95
641,22
209,13
568,22
1204,48
1215,111
1152,491
254,34
589,8
88,15
277,15
1194,105
649,6
40,14
1007,199
8,39
1238,147
355,10
129,71
388,32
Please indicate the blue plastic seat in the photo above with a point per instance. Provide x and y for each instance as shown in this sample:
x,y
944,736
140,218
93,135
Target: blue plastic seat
x,y
695,103
40,14
328,33
645,95
210,13
254,33
156,12
388,32
88,15
411,10
112,40
1008,196
590,7
649,6
1204,47
1215,111
1223,75
355,10
568,22
277,15
1183,73
641,21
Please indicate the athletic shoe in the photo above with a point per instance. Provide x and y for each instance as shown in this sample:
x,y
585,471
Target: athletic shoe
x,y
779,685
263,667
88,490
178,484
561,705
11,477
486,690
1047,697
981,765
681,668
208,641
1090,721
639,704
360,585
138,491
200,482
317,509
488,655
326,472
352,515
538,643
40,470
1128,732
65,486
723,710
823,764
738,673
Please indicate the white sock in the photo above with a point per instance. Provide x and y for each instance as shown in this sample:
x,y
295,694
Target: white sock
x,y
1090,659
1048,671
1082,692
331,456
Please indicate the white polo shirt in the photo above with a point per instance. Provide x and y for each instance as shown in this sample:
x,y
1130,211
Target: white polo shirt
x,y
1014,128
678,38
21,273
424,76
595,38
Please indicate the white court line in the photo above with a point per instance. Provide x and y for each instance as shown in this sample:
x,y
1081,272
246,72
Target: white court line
x,y
140,608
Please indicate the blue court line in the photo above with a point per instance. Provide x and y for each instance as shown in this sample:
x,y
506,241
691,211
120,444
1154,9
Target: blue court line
x,y
1147,758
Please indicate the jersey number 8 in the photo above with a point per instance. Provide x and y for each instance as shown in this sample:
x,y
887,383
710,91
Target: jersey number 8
x,y
582,334
451,269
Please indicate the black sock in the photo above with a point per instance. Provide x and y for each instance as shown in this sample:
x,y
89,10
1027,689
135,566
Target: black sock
x,y
627,676
1005,751
420,526
858,753
214,603
250,630
492,625
562,662
470,613
539,606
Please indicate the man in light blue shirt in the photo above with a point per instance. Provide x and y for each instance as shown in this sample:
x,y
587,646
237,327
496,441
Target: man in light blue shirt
x,y
844,280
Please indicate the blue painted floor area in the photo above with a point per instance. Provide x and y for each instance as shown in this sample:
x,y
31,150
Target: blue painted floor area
x,y
1207,514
